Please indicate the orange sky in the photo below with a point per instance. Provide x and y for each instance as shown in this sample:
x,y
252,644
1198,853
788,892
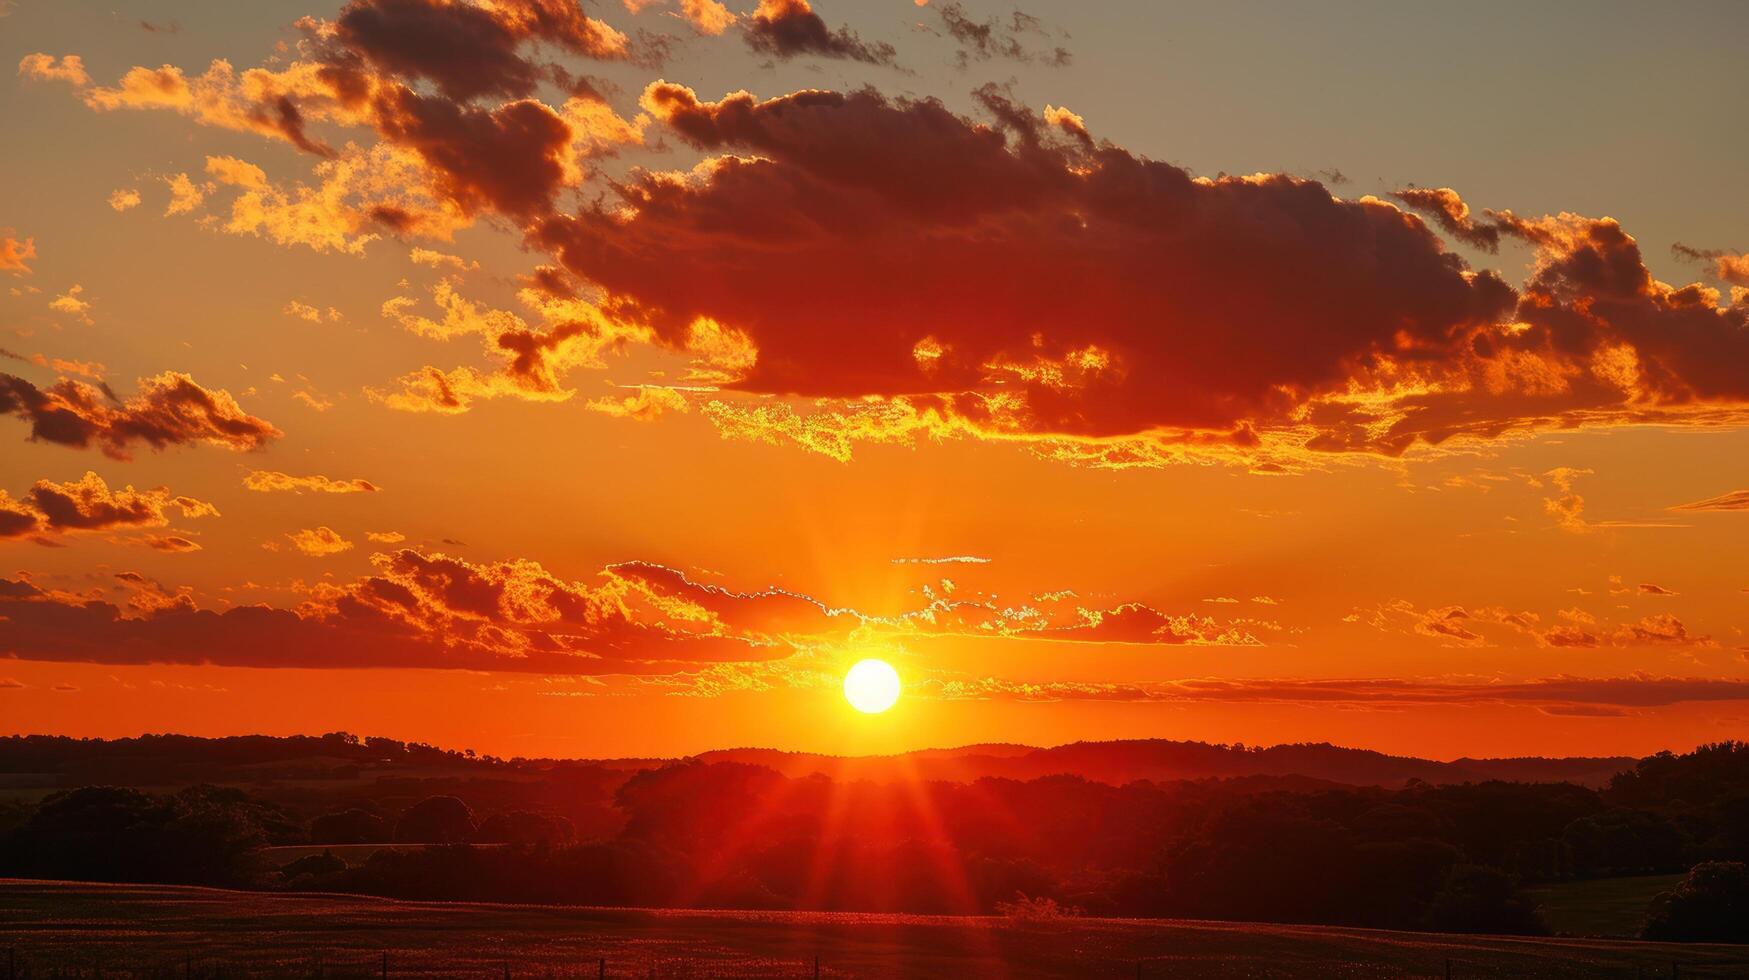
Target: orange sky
x,y
604,381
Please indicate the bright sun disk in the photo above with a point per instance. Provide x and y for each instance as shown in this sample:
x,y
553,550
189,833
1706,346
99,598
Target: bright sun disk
x,y
871,686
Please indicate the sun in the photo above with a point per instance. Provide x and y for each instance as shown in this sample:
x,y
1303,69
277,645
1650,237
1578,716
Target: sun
x,y
871,686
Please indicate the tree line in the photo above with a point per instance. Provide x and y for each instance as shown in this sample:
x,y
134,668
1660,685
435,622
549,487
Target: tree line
x,y
733,835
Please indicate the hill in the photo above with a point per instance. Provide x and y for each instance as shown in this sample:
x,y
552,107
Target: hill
x,y
1160,760
45,761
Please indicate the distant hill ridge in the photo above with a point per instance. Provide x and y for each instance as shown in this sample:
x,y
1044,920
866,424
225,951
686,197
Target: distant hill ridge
x,y
168,757
1159,760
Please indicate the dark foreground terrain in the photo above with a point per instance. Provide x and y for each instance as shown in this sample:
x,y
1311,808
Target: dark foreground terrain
x,y
67,929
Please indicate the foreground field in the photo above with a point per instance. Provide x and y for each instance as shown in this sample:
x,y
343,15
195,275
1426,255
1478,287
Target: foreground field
x,y
1612,907
65,929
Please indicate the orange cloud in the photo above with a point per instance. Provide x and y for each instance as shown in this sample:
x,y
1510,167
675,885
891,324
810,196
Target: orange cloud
x,y
171,409
71,304
319,542
433,610
1735,500
1165,324
88,504
1732,267
1560,692
982,40
707,16
68,68
791,28
466,50
173,544
272,481
15,254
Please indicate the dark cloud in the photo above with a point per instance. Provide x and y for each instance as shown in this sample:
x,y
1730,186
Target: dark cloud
x,y
469,50
1605,696
431,610
171,409
790,28
1056,286
89,504
1732,267
1735,500
1452,214
983,40
171,543
511,158
1048,286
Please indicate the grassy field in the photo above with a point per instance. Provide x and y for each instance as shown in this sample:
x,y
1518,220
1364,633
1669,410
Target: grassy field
x,y
118,931
1611,907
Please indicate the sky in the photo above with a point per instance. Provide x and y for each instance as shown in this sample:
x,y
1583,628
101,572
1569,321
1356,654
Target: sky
x,y
605,380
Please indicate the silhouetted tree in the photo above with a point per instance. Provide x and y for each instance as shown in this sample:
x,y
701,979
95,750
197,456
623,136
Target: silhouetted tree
x,y
353,826
435,820
1710,905
524,827
1478,899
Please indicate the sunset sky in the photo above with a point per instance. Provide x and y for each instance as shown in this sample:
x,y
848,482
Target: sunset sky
x,y
598,381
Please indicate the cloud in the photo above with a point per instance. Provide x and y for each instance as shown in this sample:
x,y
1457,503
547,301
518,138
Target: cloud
x,y
982,40
1060,288
1469,626
1660,630
17,518
1452,214
67,68
15,254
124,199
273,481
437,260
646,404
311,314
790,28
385,537
359,193
468,50
1568,509
319,542
185,195
70,304
171,409
1063,293
172,544
435,611
1735,500
1652,588
88,504
1732,267
1565,693
1167,336
707,16
89,369
532,361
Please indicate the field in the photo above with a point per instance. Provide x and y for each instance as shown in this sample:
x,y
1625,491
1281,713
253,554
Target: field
x,y
354,854
1609,907
117,931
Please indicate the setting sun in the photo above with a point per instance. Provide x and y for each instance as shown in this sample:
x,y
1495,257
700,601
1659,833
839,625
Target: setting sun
x,y
871,686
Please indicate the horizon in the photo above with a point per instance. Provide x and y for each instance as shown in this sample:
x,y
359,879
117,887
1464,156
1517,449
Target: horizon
x,y
923,750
